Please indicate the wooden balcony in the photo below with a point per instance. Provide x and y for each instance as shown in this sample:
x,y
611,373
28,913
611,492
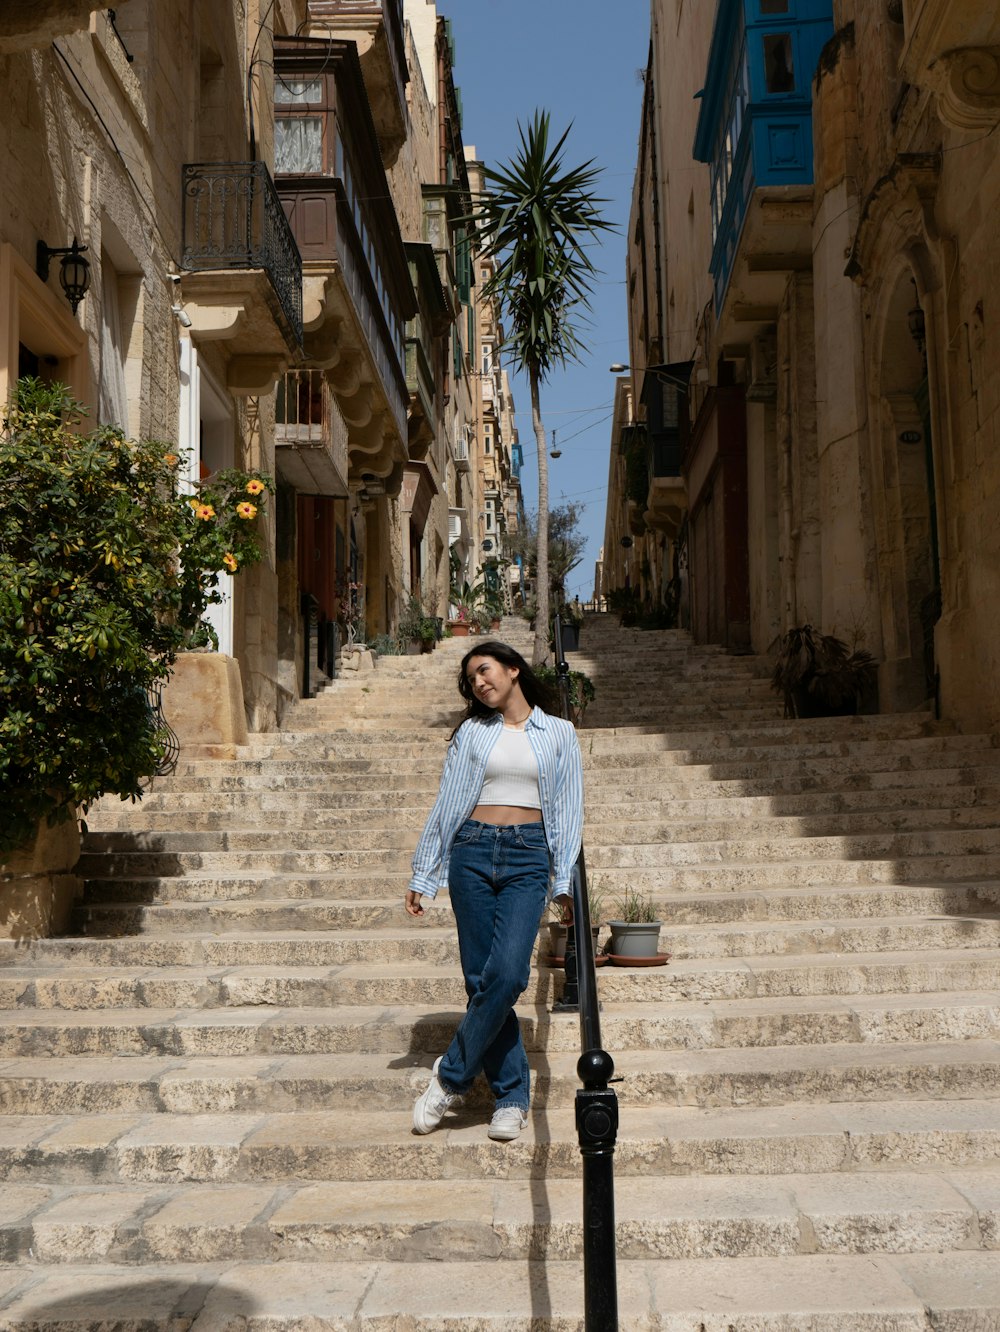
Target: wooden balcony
x,y
348,322
376,28
310,435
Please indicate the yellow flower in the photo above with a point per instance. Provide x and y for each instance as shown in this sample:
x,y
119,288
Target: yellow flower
x,y
204,511
195,502
230,561
254,487
171,459
246,510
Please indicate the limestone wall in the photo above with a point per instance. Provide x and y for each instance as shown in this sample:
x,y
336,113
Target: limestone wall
x,y
38,885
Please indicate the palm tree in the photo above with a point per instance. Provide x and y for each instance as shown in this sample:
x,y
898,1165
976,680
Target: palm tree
x,y
534,221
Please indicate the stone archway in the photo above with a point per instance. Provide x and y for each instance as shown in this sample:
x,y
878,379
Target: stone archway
x,y
904,499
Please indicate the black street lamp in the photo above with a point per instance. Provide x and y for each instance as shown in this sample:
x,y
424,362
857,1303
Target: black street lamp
x,y
74,271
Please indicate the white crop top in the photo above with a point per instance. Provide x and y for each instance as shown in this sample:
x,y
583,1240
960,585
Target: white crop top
x,y
511,773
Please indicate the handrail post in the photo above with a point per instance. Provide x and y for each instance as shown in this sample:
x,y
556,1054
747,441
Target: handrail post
x,y
596,1102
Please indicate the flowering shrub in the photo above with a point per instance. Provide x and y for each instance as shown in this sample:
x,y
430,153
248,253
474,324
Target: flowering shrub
x,y
350,605
105,574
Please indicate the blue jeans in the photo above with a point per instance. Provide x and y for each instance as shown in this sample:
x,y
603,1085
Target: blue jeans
x,y
498,879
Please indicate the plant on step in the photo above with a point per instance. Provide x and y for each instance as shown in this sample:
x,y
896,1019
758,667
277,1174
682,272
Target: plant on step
x,y
635,908
626,603
386,645
581,688
106,571
415,626
467,597
819,675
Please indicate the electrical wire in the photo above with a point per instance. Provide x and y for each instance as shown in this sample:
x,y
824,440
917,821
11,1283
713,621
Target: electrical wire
x,y
141,194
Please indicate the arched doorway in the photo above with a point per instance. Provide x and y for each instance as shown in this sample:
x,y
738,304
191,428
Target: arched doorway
x,y
906,504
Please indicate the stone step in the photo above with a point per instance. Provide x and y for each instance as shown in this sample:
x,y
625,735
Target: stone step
x,y
807,1139
349,744
429,1220
302,969
724,1024
131,905
953,1292
375,831
774,730
815,812
621,785
971,898
731,747
274,852
762,1077
263,809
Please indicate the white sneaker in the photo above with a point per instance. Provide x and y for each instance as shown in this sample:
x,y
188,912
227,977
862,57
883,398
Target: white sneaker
x,y
507,1123
431,1107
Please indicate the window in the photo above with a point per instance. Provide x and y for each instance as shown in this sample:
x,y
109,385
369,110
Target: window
x,y
779,71
304,127
112,397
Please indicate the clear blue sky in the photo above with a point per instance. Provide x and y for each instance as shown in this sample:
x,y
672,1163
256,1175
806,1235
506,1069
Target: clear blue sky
x,y
580,60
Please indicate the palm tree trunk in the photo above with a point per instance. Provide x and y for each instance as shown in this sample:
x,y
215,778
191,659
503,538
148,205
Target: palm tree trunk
x,y
541,648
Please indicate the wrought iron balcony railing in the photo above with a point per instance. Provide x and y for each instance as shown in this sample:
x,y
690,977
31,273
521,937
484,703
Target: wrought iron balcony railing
x,y
233,219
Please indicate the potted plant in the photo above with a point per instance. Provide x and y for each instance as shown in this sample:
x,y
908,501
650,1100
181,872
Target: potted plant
x,y
581,689
351,612
635,931
558,930
491,608
417,631
819,675
467,598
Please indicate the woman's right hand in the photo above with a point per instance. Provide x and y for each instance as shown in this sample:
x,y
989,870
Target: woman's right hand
x,y
414,903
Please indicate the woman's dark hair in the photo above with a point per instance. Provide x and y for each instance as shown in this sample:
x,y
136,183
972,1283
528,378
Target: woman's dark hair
x,y
536,693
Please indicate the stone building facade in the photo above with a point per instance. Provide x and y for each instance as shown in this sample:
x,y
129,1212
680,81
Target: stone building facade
x,y
812,262
271,199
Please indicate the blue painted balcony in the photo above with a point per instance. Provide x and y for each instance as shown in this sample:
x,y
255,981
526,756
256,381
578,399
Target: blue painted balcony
x,y
755,132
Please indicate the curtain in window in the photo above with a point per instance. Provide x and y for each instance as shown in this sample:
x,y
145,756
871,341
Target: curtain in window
x,y
112,397
298,145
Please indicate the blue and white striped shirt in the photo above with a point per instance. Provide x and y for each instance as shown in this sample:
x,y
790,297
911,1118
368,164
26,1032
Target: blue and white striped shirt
x,y
560,785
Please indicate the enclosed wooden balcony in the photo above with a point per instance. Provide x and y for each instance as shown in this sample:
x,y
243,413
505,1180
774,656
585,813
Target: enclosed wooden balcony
x,y
376,29
357,287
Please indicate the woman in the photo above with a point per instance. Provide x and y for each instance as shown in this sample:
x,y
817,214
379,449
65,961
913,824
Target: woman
x,y
508,817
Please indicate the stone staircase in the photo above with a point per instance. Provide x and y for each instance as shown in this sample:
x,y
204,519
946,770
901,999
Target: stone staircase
x,y
205,1094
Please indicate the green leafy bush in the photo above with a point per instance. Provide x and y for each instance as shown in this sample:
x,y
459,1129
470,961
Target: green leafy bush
x,y
105,574
581,687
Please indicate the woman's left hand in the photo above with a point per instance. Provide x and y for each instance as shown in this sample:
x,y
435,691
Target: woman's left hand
x,y
414,903
567,910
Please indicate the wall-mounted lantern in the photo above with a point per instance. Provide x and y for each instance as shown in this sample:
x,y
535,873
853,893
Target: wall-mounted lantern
x,y
74,271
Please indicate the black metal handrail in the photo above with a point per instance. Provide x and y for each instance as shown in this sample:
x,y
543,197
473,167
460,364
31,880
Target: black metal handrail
x,y
320,643
233,218
596,1102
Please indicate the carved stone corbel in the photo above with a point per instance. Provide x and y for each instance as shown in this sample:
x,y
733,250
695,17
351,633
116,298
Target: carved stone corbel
x,y
253,376
968,87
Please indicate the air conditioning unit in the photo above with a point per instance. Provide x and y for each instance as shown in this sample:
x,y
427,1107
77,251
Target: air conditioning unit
x,y
762,367
454,526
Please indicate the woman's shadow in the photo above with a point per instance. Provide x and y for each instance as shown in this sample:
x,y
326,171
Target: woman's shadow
x,y
184,1306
